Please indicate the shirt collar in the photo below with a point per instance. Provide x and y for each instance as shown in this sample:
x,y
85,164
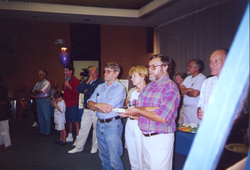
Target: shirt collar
x,y
43,81
113,84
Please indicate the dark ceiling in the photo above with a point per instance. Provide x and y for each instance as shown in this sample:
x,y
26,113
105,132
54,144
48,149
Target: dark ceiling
x,y
150,13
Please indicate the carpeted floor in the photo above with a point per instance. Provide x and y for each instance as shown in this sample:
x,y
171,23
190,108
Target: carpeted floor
x,y
32,152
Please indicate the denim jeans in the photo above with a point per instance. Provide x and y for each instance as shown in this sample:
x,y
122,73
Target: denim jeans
x,y
43,114
110,144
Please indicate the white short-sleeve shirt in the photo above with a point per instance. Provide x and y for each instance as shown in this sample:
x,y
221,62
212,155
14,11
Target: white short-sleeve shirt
x,y
194,83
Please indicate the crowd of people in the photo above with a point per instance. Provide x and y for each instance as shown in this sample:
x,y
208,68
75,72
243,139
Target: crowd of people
x,y
152,109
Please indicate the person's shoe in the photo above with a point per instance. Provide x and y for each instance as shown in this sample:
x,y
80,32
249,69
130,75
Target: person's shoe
x,y
62,144
35,124
93,150
75,150
69,139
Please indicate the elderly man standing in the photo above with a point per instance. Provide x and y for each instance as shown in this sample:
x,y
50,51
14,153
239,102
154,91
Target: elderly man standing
x,y
106,97
157,110
88,87
41,91
216,62
190,88
71,98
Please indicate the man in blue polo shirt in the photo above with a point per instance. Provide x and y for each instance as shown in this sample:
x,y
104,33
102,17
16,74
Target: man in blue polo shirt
x,y
106,97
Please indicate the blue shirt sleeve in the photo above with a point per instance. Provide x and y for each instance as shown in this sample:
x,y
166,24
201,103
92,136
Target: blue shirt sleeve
x,y
113,95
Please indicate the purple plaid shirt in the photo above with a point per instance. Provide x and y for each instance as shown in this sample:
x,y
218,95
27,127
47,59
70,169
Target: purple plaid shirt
x,y
164,94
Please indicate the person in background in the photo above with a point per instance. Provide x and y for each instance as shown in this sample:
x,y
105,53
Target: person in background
x,y
59,116
105,98
190,89
89,118
82,77
139,75
42,93
130,84
71,97
52,108
22,99
5,141
179,77
33,109
53,90
156,107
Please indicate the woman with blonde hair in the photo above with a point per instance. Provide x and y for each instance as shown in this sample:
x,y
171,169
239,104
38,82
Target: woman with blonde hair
x,y
139,75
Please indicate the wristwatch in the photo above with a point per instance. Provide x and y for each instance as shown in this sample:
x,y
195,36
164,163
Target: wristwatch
x,y
96,106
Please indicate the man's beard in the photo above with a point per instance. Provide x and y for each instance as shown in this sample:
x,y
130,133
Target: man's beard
x,y
154,77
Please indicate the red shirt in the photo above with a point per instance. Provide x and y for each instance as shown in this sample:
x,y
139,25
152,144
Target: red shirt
x,y
71,97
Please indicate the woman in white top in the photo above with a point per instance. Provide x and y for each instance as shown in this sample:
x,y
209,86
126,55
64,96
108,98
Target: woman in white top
x,y
138,74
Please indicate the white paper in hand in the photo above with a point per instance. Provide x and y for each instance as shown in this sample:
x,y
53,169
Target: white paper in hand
x,y
119,110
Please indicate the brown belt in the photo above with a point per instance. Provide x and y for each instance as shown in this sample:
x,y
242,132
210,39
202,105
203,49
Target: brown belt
x,y
150,134
109,120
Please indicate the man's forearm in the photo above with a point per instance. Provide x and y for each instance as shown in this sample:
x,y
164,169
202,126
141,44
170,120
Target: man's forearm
x,y
100,107
35,92
150,114
147,112
193,93
93,106
183,89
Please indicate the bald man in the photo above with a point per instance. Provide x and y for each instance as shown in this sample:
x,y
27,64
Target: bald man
x,y
216,62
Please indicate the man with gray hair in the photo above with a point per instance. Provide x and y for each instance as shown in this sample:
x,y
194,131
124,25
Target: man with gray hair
x,y
190,89
106,97
88,87
41,91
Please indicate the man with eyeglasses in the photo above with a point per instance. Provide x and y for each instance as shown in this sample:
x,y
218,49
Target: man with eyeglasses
x,y
190,89
105,98
87,87
157,110
41,92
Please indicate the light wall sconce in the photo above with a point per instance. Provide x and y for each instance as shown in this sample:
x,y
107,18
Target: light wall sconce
x,y
64,49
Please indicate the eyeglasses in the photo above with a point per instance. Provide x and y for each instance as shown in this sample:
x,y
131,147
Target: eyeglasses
x,y
153,67
108,71
191,66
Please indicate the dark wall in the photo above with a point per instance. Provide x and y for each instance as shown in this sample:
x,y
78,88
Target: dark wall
x,y
85,41
35,49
